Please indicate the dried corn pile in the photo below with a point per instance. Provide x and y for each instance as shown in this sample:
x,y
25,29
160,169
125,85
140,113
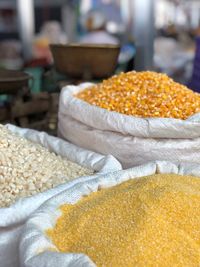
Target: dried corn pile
x,y
150,221
27,168
144,94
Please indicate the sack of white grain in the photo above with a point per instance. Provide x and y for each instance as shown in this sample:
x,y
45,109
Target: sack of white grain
x,y
136,117
91,237
28,167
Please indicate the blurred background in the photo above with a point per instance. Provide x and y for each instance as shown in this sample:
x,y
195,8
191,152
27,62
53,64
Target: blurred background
x,y
99,38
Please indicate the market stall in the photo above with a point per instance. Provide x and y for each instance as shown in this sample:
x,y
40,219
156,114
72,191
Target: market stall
x,y
99,160
138,117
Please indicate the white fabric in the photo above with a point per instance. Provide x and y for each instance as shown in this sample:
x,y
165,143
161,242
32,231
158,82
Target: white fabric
x,y
99,37
170,56
13,218
131,140
35,246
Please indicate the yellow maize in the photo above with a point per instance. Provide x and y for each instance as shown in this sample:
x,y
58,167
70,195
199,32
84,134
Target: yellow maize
x,y
143,94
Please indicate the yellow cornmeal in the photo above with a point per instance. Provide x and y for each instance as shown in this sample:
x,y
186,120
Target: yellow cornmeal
x,y
150,221
143,94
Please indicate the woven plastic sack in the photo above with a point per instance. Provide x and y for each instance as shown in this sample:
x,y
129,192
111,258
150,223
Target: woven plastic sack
x,y
133,141
12,218
36,248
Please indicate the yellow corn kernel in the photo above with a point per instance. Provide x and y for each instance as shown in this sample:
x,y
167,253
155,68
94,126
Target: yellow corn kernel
x,y
150,221
143,94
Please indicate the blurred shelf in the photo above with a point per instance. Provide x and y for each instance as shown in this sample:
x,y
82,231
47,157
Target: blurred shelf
x,y
8,31
7,4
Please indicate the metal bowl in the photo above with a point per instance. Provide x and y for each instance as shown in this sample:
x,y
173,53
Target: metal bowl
x,y
80,60
12,81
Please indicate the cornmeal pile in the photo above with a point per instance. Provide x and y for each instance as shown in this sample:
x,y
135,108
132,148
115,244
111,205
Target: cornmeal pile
x,y
150,221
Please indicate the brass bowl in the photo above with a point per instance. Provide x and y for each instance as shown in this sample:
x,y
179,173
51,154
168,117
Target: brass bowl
x,y
12,81
79,60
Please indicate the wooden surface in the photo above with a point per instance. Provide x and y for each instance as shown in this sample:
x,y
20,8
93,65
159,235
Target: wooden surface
x,y
39,112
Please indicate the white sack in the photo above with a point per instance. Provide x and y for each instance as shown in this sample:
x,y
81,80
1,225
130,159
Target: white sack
x,y
35,246
131,140
13,217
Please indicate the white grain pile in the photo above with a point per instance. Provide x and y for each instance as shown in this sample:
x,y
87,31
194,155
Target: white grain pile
x,y
27,168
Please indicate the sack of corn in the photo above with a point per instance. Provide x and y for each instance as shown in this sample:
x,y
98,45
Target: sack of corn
x,y
34,167
136,117
144,216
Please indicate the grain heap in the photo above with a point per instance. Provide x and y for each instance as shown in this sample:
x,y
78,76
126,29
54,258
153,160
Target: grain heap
x,y
143,94
150,221
27,168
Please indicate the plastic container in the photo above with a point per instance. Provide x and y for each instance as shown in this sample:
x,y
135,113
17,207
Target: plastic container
x,y
36,83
